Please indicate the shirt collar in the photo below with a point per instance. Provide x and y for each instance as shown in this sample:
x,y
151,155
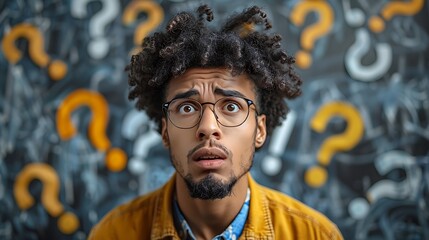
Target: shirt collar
x,y
233,231
258,224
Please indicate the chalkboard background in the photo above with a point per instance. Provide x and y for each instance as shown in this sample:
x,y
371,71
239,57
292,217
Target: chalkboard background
x,y
366,84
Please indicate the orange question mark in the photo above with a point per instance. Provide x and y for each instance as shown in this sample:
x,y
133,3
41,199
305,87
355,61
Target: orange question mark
x,y
317,176
68,222
155,17
56,68
376,24
315,31
116,158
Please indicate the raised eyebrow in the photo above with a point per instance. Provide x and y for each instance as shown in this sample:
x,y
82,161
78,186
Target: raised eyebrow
x,y
186,94
229,93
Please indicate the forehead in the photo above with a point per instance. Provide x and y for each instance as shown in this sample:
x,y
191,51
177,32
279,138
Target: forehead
x,y
206,82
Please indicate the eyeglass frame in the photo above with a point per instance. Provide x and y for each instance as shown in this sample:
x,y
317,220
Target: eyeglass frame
x,y
248,101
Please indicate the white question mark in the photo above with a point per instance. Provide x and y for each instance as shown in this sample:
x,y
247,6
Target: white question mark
x,y
132,121
356,52
271,165
99,45
353,16
407,188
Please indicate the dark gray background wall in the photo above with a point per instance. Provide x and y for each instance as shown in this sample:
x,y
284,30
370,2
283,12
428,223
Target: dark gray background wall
x,y
367,84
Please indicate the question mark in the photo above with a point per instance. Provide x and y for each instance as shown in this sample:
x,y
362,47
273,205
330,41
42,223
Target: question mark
x,y
272,162
353,16
376,24
56,68
68,222
98,47
357,51
116,158
132,121
407,188
315,31
317,176
155,16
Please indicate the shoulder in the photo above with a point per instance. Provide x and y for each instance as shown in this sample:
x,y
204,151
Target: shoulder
x,y
297,218
123,219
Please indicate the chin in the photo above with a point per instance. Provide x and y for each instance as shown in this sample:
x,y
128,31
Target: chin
x,y
210,186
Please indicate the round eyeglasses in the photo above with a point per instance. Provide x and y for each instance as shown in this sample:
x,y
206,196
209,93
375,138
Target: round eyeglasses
x,y
186,113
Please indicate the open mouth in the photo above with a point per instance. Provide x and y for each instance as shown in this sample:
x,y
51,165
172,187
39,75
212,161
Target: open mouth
x,y
209,158
209,154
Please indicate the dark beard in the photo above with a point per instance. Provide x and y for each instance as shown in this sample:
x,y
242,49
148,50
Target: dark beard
x,y
209,188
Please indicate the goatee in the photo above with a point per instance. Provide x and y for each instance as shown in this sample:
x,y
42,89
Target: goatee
x,y
209,188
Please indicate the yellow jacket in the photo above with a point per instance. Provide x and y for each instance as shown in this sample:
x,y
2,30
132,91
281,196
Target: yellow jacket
x,y
272,215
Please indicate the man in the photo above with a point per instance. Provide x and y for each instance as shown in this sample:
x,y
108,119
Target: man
x,y
215,95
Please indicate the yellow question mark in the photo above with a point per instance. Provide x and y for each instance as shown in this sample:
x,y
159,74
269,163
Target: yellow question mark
x,y
116,158
155,16
317,176
56,68
315,31
68,222
376,24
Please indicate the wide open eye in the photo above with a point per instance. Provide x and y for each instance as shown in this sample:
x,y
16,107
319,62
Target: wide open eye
x,y
232,105
186,109
185,106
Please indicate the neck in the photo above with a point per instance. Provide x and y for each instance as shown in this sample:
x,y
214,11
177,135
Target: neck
x,y
208,218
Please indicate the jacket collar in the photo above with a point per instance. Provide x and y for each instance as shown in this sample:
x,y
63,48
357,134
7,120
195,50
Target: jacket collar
x,y
163,225
258,226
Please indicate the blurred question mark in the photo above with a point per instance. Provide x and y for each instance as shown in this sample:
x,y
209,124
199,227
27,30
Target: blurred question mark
x,y
272,164
116,158
354,55
315,31
56,68
407,8
406,188
68,222
387,188
98,47
353,16
132,121
155,15
317,176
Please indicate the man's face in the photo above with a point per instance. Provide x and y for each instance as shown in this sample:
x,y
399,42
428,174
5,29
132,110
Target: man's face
x,y
209,156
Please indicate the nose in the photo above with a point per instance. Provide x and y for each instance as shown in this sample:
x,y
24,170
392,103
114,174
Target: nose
x,y
208,126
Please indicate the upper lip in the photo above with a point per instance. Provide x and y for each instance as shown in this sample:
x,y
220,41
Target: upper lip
x,y
209,152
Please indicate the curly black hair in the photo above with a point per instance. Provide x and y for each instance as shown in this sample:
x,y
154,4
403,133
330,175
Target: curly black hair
x,y
239,45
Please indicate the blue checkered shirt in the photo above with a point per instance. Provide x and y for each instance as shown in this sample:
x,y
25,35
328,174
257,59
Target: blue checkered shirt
x,y
232,232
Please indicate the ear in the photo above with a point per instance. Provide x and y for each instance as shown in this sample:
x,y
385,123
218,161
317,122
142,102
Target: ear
x,y
261,131
164,133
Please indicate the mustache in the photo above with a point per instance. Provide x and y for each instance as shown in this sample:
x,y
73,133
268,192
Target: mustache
x,y
212,143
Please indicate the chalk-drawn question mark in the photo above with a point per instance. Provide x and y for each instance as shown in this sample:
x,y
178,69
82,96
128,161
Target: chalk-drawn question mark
x,y
56,68
353,16
354,55
155,16
387,188
315,31
67,222
98,47
407,188
317,176
271,165
392,8
132,121
116,158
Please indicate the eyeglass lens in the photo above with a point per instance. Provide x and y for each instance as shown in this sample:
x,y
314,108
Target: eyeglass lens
x,y
229,111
